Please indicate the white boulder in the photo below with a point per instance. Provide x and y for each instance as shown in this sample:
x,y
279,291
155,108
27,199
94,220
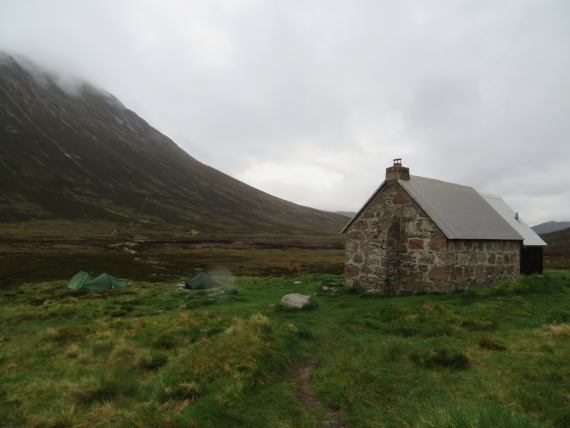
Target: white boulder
x,y
295,301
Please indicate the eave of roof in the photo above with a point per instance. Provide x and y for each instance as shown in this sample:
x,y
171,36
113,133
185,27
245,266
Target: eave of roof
x,y
531,239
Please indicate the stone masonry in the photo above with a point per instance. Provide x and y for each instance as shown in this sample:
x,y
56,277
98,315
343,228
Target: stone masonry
x,y
394,247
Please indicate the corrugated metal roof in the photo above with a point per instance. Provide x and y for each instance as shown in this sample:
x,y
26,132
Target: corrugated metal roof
x,y
459,211
531,239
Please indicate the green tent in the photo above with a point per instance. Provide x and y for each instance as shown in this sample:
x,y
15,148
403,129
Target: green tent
x,y
78,279
84,279
104,282
201,280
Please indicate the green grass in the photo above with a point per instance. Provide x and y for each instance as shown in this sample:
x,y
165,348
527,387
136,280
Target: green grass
x,y
150,355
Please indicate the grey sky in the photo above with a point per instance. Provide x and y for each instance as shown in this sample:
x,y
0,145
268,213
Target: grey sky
x,y
311,100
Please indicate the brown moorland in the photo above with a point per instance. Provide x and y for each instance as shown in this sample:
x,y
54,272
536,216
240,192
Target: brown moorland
x,y
55,250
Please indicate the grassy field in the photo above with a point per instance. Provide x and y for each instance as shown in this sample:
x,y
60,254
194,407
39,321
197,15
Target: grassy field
x,y
151,355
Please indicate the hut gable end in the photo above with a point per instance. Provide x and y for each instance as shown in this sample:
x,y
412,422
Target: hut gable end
x,y
391,240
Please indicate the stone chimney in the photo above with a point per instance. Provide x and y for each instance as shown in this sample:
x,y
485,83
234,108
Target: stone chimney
x,y
397,172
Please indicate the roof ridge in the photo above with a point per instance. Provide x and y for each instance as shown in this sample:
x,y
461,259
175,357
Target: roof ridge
x,y
433,180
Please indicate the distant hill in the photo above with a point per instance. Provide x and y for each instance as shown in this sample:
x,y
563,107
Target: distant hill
x,y
349,214
551,226
80,154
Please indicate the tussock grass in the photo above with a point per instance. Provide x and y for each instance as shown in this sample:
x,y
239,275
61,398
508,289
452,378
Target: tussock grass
x,y
150,355
448,358
493,345
562,330
110,384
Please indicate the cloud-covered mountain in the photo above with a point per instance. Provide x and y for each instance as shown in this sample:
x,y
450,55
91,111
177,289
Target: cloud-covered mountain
x,y
72,151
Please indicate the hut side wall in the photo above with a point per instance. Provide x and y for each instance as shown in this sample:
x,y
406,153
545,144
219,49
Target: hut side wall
x,y
481,263
393,246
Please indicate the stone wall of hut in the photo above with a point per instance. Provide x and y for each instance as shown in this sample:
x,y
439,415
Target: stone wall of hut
x,y
394,247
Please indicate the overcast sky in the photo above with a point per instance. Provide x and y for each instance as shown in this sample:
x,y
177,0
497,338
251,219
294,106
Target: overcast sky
x,y
310,100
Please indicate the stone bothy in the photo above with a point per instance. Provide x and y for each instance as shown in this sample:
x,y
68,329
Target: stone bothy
x,y
419,234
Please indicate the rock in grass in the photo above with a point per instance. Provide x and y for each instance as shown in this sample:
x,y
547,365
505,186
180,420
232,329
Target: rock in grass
x,y
295,301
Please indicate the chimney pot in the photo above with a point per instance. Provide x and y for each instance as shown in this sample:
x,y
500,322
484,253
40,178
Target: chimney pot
x,y
397,172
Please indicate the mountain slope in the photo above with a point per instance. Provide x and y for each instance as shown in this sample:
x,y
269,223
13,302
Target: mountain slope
x,y
80,154
349,214
557,252
551,226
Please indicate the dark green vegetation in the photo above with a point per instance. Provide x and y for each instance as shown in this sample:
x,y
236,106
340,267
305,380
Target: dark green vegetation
x,y
80,155
151,355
